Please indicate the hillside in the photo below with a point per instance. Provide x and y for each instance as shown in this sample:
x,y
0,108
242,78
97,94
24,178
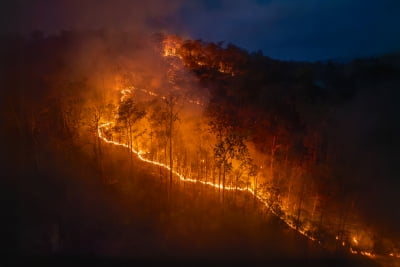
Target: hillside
x,y
129,222
249,159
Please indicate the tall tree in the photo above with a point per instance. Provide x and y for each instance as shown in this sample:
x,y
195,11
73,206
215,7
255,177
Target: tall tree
x,y
128,114
171,116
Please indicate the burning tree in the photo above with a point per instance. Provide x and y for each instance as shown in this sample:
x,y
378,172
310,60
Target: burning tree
x,y
128,114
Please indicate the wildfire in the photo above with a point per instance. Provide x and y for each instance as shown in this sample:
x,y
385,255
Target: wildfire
x,y
125,93
260,197
171,47
263,199
394,255
367,253
141,155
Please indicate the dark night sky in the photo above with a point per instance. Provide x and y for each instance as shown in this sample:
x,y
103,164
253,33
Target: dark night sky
x,y
300,30
284,29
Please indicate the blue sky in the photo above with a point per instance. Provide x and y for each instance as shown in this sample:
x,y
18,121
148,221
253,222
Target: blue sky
x,y
298,29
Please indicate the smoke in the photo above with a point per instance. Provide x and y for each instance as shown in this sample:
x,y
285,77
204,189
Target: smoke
x,y
51,16
96,41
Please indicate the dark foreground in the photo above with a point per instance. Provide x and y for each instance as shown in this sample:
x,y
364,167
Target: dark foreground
x,y
72,218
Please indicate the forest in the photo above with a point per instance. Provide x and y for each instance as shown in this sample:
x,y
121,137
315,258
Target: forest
x,y
120,147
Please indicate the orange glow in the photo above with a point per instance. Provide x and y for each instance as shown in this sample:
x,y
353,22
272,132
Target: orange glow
x,y
141,156
171,45
367,253
262,197
171,49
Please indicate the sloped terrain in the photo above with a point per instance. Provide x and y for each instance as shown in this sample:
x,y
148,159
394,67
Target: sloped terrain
x,y
131,220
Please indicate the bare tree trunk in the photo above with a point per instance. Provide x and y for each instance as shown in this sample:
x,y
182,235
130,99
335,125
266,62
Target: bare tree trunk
x,y
223,182
272,156
206,168
170,155
151,145
219,179
300,203
314,206
131,139
255,189
321,218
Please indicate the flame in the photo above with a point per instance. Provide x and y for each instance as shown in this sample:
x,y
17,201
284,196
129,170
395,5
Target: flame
x,y
262,199
170,49
367,253
141,156
125,94
171,45
394,255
